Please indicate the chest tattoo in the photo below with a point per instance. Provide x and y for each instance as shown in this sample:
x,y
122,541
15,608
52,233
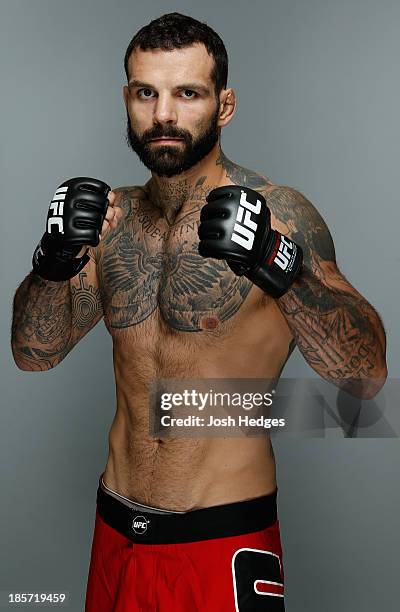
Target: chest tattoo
x,y
146,264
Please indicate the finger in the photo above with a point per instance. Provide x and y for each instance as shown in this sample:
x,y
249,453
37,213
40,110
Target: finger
x,y
110,213
111,198
105,226
114,215
119,213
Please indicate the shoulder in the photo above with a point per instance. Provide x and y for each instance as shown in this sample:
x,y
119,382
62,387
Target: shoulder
x,y
293,214
128,197
288,203
239,175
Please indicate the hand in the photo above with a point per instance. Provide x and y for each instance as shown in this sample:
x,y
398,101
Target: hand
x,y
113,216
76,215
235,226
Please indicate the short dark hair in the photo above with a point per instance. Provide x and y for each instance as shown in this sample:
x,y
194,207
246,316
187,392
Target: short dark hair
x,y
174,31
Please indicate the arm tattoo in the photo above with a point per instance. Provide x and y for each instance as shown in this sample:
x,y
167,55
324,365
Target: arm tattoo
x,y
49,318
87,308
41,324
336,329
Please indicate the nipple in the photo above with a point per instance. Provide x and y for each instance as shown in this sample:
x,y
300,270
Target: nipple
x,y
209,322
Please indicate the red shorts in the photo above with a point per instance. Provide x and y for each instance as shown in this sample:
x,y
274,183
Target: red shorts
x,y
216,559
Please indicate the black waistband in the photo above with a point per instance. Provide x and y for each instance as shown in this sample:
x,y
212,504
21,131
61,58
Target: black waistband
x,y
195,525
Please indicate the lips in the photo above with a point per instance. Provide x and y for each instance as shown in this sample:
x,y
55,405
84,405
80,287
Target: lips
x,y
162,139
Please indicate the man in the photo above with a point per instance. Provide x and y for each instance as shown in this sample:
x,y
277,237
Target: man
x,y
190,523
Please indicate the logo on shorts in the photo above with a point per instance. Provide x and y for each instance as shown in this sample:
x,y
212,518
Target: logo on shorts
x,y
139,524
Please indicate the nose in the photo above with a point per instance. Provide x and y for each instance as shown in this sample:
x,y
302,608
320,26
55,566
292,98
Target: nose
x,y
164,110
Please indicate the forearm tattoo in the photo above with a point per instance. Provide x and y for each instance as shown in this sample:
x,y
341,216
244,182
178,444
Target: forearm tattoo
x,y
50,317
41,325
336,329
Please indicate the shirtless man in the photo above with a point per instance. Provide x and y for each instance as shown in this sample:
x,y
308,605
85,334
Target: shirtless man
x,y
190,524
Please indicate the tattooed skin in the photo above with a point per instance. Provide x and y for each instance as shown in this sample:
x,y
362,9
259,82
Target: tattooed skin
x,y
152,261
242,176
336,329
169,197
50,318
41,323
86,303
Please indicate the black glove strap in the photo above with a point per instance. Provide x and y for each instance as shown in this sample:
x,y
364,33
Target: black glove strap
x,y
278,269
55,267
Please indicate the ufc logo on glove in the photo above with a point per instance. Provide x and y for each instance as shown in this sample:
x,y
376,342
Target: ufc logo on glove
x,y
57,208
284,254
244,229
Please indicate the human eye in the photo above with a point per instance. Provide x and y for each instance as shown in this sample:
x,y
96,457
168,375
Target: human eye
x,y
191,96
145,93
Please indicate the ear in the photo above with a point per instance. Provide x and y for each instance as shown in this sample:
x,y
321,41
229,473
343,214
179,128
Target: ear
x,y
227,106
125,94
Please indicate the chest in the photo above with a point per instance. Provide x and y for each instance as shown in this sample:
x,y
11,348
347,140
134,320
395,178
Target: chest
x,y
146,265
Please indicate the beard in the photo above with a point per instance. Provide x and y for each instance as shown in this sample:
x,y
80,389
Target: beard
x,y
170,160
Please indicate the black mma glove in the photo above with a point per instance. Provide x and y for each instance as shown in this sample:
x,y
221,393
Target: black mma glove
x,y
75,219
235,226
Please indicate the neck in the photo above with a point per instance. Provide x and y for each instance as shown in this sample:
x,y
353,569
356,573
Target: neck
x,y
171,194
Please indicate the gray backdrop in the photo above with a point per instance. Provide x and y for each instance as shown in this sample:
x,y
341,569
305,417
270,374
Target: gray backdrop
x,y
318,88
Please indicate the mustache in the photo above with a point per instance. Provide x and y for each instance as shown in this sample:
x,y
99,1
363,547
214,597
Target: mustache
x,y
159,131
165,132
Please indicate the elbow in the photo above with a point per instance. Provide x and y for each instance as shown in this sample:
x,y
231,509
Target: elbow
x,y
31,367
375,384
368,388
17,357
371,389
28,364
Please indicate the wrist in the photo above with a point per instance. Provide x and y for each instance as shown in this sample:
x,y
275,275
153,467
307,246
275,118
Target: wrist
x,y
58,264
278,267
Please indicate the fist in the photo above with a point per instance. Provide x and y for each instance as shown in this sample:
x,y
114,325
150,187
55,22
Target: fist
x,y
112,217
235,225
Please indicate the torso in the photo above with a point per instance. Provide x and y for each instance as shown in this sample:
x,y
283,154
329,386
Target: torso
x,y
173,314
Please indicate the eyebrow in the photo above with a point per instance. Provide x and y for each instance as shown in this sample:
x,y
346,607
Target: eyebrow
x,y
192,85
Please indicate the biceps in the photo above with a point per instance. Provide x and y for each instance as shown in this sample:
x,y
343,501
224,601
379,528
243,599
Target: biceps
x,y
332,277
86,304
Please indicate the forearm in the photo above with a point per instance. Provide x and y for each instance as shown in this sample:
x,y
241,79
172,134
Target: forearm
x,y
338,332
41,323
